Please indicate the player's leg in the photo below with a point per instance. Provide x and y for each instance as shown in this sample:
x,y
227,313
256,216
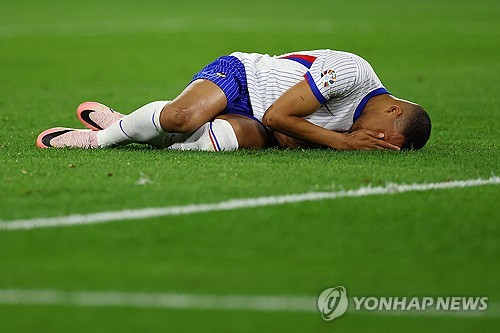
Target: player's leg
x,y
204,98
155,122
224,83
249,133
200,102
218,86
141,126
221,86
97,116
225,133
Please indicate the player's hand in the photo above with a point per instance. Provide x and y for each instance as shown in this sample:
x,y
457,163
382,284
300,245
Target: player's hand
x,y
365,139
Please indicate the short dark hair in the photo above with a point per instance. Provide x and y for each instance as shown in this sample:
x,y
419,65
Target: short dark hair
x,y
417,129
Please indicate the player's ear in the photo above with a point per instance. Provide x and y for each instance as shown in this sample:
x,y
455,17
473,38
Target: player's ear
x,y
395,110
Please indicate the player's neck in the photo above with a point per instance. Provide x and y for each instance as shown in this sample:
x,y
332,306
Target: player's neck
x,y
379,102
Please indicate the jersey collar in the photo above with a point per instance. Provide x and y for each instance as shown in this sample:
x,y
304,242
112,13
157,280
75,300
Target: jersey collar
x,y
362,104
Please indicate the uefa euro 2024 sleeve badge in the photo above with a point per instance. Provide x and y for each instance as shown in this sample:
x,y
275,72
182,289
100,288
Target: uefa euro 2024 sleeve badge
x,y
328,77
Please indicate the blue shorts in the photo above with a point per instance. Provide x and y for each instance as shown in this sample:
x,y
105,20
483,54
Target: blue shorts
x,y
228,73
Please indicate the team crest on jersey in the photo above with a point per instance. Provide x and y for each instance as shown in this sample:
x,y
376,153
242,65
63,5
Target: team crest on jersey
x,y
328,77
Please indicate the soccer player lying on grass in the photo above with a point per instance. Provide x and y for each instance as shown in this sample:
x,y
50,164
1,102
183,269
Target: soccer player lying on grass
x,y
323,98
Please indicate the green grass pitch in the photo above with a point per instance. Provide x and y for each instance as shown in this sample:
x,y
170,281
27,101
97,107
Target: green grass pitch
x,y
56,54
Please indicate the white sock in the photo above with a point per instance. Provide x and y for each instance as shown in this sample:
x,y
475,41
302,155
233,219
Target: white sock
x,y
141,126
216,135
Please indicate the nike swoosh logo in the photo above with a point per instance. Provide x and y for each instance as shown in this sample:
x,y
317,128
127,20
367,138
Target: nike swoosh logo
x,y
85,115
46,139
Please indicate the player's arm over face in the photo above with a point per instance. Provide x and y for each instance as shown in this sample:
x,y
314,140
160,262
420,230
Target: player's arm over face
x,y
286,116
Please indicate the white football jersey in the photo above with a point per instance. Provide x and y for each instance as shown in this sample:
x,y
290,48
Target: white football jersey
x,y
342,82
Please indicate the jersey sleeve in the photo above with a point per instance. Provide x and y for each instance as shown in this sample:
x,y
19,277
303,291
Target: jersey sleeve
x,y
332,75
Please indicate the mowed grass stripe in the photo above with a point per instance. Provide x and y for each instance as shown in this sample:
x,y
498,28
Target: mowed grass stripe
x,y
182,301
166,25
193,25
144,213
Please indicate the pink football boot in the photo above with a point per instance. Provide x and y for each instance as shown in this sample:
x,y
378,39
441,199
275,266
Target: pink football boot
x,y
61,137
97,116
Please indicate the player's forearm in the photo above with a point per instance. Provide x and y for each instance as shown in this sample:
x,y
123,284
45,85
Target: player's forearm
x,y
286,141
301,129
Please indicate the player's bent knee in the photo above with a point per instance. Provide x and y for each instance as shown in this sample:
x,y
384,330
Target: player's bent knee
x,y
177,119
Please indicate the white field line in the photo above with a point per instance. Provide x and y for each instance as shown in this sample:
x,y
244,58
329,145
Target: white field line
x,y
160,300
261,303
144,213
